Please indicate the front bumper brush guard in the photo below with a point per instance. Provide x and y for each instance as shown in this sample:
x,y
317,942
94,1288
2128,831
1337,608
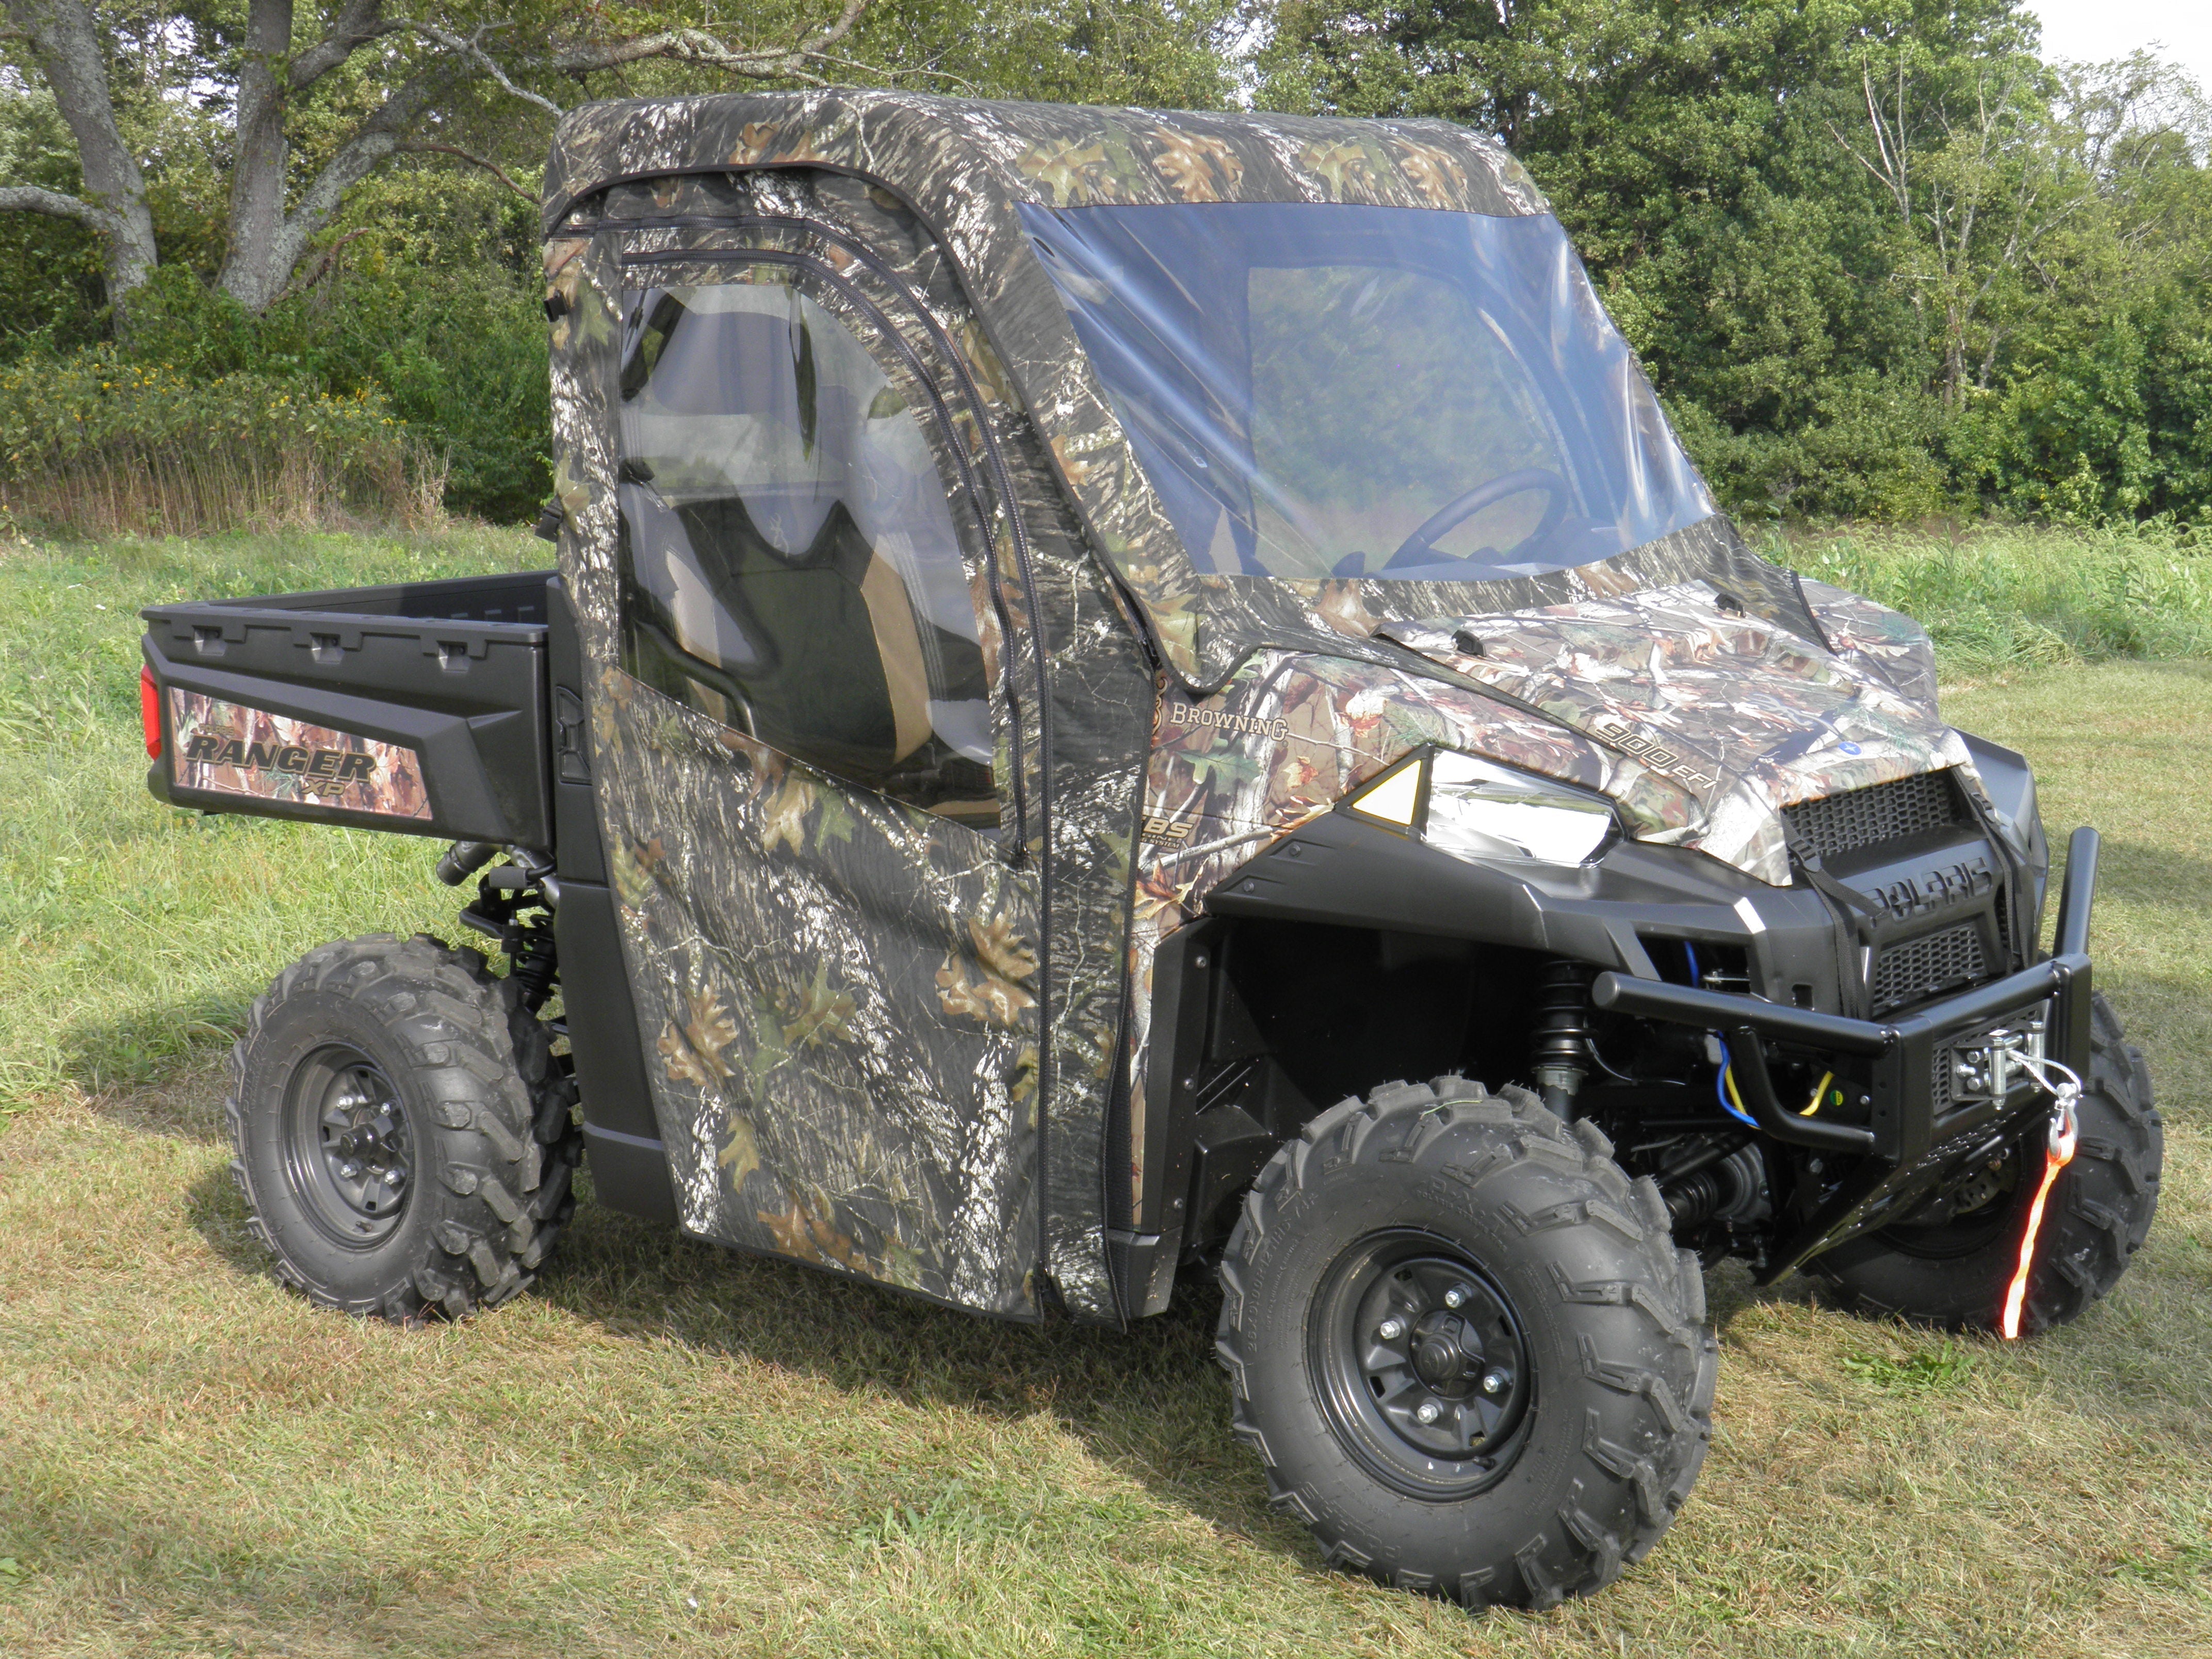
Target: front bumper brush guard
x,y
1908,1141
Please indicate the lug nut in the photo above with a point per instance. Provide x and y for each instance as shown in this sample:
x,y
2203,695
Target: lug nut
x,y
348,1169
1391,1329
1494,1382
1456,1297
392,1177
1428,1411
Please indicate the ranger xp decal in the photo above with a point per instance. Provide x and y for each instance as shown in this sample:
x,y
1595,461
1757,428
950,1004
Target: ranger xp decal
x,y
235,751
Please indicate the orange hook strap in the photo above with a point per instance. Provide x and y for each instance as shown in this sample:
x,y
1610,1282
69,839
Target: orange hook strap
x,y
2065,1135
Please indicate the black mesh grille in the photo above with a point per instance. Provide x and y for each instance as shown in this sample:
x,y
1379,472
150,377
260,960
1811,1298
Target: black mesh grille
x,y
1880,812
1920,968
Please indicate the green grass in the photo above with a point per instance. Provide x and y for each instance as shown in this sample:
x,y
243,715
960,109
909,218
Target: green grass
x,y
1996,598
665,1449
131,935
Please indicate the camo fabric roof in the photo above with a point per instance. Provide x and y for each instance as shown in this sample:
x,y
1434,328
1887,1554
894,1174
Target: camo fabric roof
x,y
965,168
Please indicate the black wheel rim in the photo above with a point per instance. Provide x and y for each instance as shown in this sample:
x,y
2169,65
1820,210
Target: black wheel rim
x,y
349,1155
1419,1362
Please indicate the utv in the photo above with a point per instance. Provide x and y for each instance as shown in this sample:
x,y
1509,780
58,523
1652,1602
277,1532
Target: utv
x,y
1090,646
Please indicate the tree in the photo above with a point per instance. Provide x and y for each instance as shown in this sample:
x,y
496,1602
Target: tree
x,y
113,205
388,80
1689,146
1973,158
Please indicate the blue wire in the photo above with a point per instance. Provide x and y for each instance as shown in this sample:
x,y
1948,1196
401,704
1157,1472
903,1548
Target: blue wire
x,y
1720,1078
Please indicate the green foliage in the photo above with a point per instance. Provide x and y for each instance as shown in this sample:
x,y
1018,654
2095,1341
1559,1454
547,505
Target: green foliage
x,y
105,442
2012,598
1940,1370
49,268
2015,320
422,294
1166,54
1880,261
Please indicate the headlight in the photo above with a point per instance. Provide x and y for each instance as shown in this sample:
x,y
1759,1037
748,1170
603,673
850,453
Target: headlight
x,y
1487,813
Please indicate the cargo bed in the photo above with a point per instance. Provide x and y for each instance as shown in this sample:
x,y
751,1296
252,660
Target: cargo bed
x,y
421,707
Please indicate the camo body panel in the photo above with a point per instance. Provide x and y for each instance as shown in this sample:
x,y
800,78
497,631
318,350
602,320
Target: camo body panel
x,y
845,997
839,996
1873,637
1290,735
1749,716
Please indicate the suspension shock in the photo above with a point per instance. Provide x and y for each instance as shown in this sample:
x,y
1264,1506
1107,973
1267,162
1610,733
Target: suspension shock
x,y
534,963
1558,1059
513,904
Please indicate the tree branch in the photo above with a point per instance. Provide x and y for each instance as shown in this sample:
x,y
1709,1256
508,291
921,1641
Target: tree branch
x,y
323,266
877,70
381,134
424,147
470,47
358,24
689,45
30,199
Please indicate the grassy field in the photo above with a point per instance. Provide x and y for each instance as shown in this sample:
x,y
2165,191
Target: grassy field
x,y
2000,599
669,1449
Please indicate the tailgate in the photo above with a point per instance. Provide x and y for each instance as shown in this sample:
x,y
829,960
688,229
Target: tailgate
x,y
420,708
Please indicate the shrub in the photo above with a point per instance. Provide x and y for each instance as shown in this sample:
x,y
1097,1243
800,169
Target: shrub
x,y
97,443
458,356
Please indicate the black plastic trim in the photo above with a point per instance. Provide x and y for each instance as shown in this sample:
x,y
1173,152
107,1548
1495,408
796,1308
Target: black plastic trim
x,y
629,1167
466,693
1909,1142
576,846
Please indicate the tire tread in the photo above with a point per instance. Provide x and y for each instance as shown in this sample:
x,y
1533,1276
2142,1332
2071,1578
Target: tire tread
x,y
503,1118
1571,1552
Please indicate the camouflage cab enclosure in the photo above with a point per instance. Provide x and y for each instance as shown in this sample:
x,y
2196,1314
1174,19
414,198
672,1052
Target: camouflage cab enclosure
x,y
998,533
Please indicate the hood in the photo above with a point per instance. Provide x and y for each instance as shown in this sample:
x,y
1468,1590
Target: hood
x,y
1747,717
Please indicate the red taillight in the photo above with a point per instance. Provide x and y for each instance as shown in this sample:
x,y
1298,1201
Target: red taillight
x,y
150,712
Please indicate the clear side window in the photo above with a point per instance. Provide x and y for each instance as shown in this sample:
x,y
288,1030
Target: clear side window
x,y
790,562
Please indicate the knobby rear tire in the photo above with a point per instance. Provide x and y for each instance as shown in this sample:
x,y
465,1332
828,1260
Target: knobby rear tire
x,y
1612,1314
490,1138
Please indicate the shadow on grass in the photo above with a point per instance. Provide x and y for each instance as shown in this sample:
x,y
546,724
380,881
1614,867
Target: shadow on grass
x,y
157,1070
1149,1403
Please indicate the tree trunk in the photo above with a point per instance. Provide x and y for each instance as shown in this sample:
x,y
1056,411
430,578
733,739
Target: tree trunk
x,y
254,272
72,55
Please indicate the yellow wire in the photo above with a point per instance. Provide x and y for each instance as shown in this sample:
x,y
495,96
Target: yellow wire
x,y
1820,1088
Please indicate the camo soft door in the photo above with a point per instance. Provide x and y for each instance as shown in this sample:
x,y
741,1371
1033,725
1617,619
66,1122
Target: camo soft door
x,y
808,769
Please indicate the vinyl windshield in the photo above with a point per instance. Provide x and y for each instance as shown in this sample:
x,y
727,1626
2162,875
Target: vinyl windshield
x,y
1393,393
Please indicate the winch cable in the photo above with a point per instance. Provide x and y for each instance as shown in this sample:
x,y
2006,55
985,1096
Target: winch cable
x,y
2058,1151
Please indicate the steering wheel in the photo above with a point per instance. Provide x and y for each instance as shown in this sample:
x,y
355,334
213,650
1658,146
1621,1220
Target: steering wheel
x,y
1460,509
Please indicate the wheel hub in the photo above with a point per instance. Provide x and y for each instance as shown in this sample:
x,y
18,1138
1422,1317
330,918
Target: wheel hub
x,y
1447,1354
347,1145
1422,1364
